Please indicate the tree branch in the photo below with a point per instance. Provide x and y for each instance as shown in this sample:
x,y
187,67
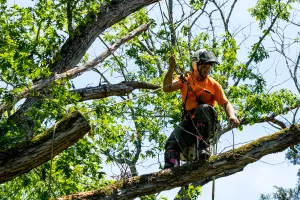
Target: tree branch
x,y
119,89
270,118
230,12
220,166
72,73
24,157
94,24
261,39
70,18
222,14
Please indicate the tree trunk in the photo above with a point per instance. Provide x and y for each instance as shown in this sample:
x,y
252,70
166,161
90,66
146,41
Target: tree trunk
x,y
24,157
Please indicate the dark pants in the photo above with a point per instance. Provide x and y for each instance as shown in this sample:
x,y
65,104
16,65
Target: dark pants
x,y
188,132
180,138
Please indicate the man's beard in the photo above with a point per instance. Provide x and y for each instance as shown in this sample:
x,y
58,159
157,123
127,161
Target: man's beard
x,y
201,75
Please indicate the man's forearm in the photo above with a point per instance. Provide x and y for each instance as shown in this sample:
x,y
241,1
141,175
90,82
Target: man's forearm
x,y
230,113
229,110
168,80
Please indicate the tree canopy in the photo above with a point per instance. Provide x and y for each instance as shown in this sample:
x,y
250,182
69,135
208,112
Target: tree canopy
x,y
58,137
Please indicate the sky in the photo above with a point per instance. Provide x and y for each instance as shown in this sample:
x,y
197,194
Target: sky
x,y
256,178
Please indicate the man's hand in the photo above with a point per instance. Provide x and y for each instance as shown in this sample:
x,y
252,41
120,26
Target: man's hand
x,y
234,121
228,108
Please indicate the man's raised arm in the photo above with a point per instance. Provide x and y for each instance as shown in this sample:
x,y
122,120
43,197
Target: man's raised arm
x,y
169,85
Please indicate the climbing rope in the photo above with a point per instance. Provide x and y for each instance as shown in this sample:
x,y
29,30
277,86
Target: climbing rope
x,y
51,162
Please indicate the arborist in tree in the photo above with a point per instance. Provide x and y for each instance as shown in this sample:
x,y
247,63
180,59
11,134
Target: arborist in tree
x,y
199,92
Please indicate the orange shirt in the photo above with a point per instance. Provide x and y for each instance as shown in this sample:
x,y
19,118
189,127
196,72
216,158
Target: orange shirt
x,y
216,92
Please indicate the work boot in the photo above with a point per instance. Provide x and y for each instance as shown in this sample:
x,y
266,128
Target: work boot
x,y
168,165
171,159
203,154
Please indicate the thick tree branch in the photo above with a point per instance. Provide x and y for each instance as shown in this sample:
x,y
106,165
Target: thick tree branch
x,y
85,34
42,84
220,166
203,182
119,89
24,157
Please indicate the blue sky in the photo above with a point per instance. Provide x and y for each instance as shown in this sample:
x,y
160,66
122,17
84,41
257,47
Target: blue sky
x,y
256,178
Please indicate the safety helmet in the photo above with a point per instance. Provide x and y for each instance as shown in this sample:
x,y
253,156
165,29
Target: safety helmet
x,y
205,56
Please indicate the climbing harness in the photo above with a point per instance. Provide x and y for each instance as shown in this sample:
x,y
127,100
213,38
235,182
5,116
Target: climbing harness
x,y
204,119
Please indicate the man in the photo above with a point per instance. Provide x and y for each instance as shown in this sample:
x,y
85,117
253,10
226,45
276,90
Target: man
x,y
199,92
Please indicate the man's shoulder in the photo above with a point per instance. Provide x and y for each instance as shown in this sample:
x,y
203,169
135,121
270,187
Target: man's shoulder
x,y
213,81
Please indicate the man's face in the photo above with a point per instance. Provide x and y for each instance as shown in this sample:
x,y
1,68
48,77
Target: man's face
x,y
204,69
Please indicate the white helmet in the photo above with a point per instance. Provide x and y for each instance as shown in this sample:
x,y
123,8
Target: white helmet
x,y
205,56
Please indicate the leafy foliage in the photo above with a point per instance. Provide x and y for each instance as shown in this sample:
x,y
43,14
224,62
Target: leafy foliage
x,y
126,131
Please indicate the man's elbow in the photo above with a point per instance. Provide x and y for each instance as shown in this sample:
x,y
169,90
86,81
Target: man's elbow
x,y
167,89
224,105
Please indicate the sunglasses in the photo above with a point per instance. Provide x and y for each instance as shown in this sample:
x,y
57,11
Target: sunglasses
x,y
205,63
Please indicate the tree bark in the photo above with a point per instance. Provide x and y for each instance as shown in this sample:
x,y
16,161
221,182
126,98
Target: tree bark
x,y
107,90
24,157
220,166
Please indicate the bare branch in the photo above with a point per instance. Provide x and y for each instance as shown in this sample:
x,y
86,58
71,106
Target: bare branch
x,y
279,123
222,14
72,73
270,118
230,12
104,91
171,23
261,39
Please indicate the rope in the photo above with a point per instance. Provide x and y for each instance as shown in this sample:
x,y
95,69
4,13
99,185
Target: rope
x,y
215,148
232,141
197,136
51,162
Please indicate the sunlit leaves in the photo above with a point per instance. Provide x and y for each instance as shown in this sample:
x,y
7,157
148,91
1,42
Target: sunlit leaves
x,y
282,193
270,8
196,4
191,192
71,171
125,130
257,106
258,53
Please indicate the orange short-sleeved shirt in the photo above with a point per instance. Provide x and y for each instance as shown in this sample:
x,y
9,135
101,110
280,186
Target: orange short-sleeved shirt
x,y
216,92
